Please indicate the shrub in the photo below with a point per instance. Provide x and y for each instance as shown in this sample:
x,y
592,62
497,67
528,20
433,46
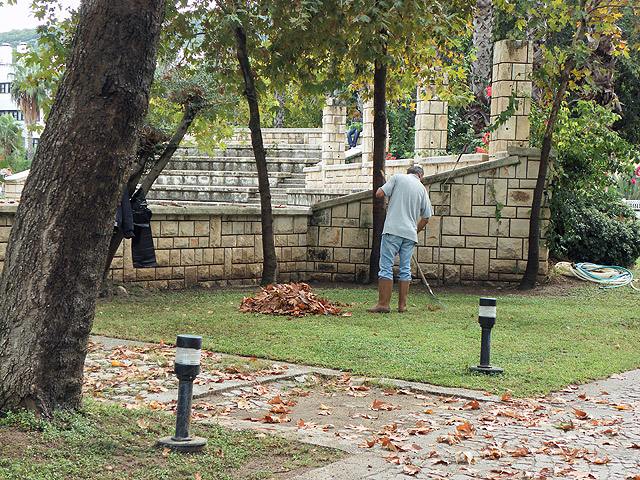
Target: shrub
x,y
596,228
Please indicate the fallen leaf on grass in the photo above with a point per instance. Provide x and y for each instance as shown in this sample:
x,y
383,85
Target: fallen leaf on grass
x,y
622,407
143,424
118,363
506,397
166,451
599,460
197,476
291,299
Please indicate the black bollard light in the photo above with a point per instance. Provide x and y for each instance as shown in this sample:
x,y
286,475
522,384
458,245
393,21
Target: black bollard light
x,y
187,368
487,319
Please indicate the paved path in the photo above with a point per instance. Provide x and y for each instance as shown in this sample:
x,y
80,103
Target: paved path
x,y
393,429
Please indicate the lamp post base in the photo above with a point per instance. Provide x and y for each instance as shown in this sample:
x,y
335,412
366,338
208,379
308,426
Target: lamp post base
x,y
192,444
488,370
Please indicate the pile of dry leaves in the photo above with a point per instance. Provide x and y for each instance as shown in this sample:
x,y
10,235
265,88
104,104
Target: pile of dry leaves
x,y
293,299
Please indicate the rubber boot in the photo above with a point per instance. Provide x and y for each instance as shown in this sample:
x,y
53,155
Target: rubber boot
x,y
403,293
385,288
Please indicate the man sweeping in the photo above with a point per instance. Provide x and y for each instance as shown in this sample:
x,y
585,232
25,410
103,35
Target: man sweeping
x,y
408,213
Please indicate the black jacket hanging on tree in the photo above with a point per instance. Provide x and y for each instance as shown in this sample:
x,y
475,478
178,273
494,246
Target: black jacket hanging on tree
x,y
142,250
124,215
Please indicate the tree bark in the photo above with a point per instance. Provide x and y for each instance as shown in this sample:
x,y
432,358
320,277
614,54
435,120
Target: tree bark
x,y
379,152
278,122
58,243
189,115
483,20
270,261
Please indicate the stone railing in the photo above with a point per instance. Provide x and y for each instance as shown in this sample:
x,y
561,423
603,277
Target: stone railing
x,y
347,177
289,136
478,233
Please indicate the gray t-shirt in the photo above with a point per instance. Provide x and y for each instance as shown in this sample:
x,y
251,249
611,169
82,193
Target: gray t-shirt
x,y
408,202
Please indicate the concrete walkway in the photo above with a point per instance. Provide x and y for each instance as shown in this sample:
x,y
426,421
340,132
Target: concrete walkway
x,y
392,429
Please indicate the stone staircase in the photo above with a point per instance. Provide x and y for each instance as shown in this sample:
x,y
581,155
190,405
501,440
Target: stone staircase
x,y
230,175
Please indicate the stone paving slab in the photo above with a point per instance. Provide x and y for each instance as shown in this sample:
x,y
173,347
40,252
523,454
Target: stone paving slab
x,y
390,427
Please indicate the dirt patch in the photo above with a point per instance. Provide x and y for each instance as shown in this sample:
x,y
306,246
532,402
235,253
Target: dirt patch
x,y
13,442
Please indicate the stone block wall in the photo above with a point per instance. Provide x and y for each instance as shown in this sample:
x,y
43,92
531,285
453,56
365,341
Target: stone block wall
x,y
215,245
357,176
295,136
511,75
432,118
334,119
478,232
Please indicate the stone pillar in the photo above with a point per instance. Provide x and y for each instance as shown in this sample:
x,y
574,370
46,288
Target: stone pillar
x,y
367,131
334,120
512,69
432,121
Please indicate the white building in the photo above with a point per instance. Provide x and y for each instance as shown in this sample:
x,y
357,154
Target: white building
x,y
7,105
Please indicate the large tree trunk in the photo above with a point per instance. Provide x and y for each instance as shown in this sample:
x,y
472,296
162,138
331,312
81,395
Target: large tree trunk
x,y
58,242
379,152
270,261
189,115
483,20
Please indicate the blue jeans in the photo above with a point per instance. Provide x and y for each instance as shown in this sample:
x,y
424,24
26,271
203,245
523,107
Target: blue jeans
x,y
391,246
352,137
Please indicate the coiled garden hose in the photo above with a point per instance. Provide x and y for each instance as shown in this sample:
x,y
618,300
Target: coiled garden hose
x,y
607,276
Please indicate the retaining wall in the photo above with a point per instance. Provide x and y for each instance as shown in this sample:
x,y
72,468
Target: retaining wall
x,y
479,233
289,136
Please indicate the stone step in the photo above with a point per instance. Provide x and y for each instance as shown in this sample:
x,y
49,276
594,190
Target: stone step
x,y
217,178
196,193
239,164
240,150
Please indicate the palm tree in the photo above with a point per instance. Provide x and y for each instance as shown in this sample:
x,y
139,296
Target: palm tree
x,y
29,93
11,142
483,21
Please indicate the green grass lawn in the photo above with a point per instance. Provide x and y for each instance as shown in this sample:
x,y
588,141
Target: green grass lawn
x,y
111,443
544,342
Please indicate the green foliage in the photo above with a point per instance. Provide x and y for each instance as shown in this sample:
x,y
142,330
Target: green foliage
x,y
12,153
595,227
460,132
401,115
588,220
590,154
302,108
627,85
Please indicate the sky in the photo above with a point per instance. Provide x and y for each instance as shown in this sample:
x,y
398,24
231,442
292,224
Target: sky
x,y
19,16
